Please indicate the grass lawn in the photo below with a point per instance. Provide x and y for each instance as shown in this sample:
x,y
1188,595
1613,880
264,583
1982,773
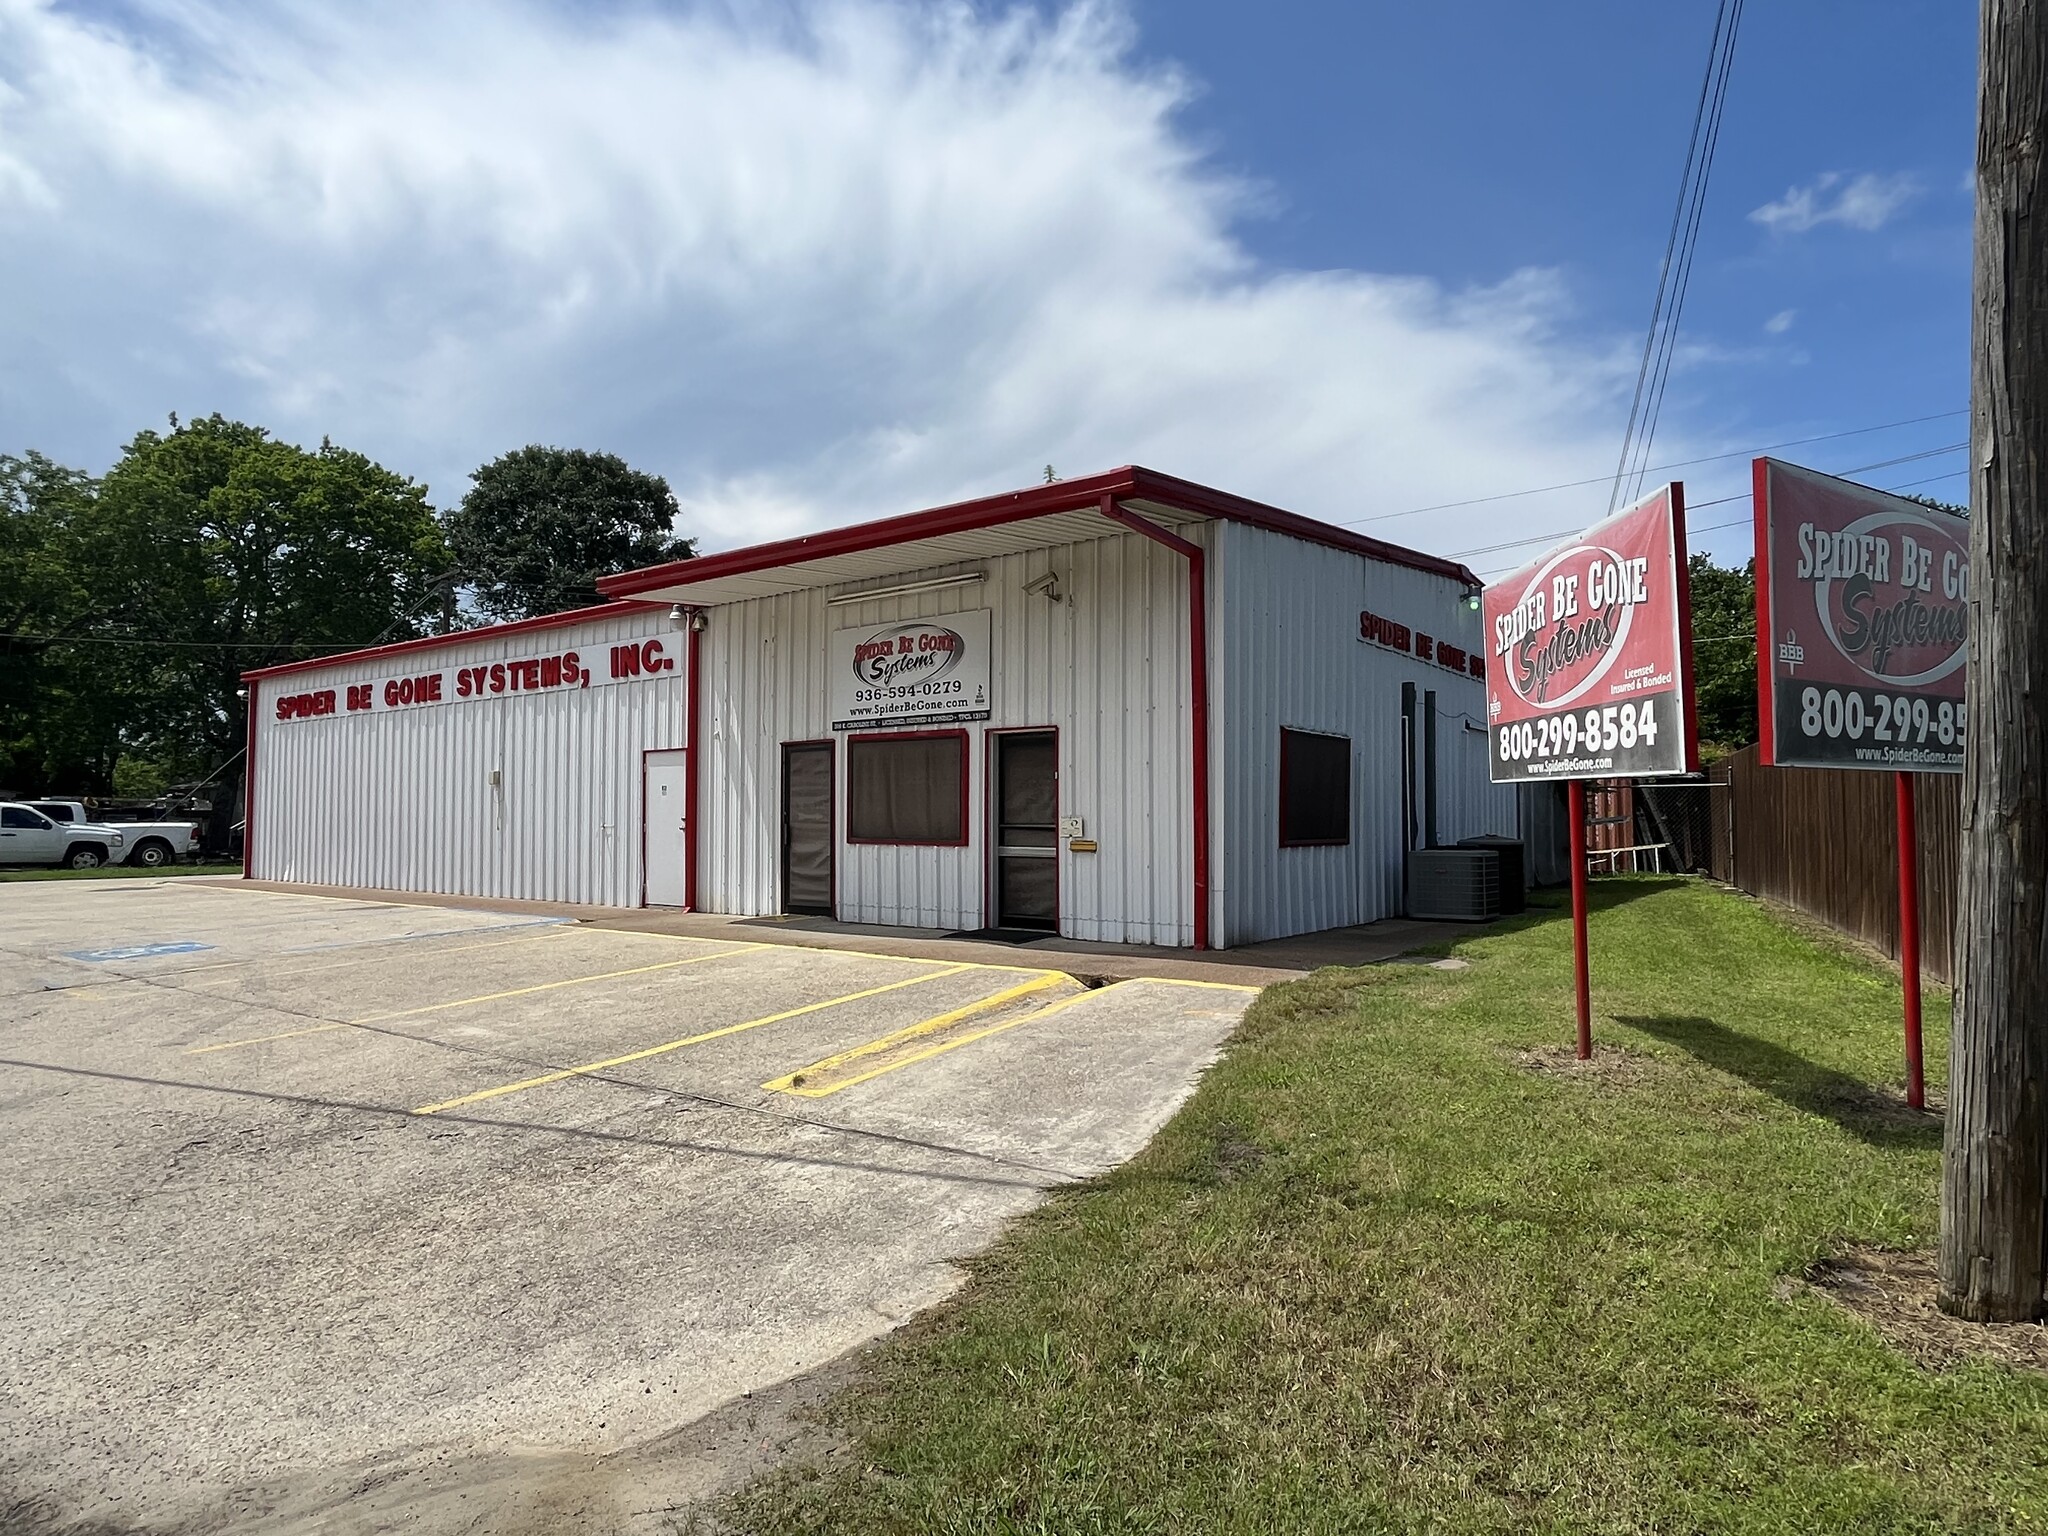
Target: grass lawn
x,y
117,872
1378,1275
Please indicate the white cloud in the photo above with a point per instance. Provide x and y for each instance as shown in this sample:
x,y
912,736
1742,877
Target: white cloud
x,y
1781,322
1865,202
813,262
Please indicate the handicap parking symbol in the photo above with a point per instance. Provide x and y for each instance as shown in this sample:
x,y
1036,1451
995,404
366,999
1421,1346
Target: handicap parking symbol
x,y
136,951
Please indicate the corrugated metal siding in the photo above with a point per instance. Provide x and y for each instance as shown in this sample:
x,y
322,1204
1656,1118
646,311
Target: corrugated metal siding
x,y
1107,667
1289,655
403,801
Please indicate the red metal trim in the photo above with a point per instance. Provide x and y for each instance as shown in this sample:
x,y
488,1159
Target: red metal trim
x,y
991,917
1312,842
1909,939
1687,697
1132,482
249,780
694,737
966,837
459,637
1766,681
1198,678
831,818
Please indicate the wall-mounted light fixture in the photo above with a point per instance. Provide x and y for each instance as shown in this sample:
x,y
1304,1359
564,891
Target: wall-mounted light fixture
x,y
677,613
904,589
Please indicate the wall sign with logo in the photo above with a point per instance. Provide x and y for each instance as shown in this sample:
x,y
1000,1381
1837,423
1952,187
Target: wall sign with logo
x,y
1589,672
1392,635
1863,633
627,661
920,672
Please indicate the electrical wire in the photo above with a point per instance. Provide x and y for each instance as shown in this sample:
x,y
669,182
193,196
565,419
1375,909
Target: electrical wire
x,y
1674,274
1662,374
1908,458
1712,458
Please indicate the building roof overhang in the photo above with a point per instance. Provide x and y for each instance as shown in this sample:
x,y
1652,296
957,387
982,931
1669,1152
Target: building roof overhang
x,y
1065,511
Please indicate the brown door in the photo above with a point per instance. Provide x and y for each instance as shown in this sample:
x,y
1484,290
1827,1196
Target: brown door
x,y
1027,829
807,834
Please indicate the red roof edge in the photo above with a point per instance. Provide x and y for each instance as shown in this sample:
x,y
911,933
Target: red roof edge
x,y
1014,506
457,637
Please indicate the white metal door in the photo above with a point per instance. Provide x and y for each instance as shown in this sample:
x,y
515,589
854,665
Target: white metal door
x,y
666,829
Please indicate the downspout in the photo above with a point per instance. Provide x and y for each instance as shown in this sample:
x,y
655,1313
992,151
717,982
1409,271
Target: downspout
x,y
1198,676
694,672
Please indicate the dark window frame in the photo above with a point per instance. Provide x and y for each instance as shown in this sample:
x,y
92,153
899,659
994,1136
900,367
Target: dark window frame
x,y
853,743
1350,763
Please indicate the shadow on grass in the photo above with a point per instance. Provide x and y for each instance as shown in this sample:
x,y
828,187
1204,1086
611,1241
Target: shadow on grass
x,y
1877,1115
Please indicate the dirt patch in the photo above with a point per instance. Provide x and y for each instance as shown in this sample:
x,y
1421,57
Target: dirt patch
x,y
1894,1293
666,1485
1609,1063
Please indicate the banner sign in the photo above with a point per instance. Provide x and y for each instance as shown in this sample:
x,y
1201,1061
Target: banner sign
x,y
653,656
921,672
1862,626
1589,671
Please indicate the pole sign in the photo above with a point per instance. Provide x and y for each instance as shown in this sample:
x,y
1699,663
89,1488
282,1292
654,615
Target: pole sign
x,y
920,672
1589,654
1862,626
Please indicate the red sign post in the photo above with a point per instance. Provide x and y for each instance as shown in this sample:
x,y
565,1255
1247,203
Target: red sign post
x,y
1862,643
1589,674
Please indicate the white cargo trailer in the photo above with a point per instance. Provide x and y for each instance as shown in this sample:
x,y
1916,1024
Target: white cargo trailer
x,y
1126,708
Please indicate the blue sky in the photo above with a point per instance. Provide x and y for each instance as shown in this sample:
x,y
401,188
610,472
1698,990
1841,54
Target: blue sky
x,y
1455,139
818,260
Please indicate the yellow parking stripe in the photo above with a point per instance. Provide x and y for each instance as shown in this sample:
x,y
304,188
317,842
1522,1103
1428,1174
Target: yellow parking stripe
x,y
804,1082
676,1045
833,949
466,1002
949,1043
336,965
551,986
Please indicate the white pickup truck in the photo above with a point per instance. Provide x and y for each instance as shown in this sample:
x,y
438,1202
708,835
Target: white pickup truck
x,y
151,844
27,836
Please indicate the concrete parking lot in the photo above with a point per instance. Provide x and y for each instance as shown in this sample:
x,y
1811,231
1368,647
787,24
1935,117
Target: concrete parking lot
x,y
310,1200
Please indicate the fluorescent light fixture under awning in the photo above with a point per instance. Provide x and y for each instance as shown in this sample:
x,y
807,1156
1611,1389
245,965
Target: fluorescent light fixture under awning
x,y
903,589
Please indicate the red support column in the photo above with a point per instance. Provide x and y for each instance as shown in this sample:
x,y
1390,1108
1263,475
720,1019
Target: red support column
x,y
1198,683
693,712
1581,972
249,777
1909,939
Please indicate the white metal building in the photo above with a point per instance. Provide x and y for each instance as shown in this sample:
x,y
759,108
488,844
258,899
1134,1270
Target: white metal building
x,y
1126,708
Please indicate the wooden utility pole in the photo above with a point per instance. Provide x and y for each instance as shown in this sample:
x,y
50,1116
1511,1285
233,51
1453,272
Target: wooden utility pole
x,y
1995,1172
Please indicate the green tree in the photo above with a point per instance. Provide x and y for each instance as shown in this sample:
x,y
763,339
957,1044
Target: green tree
x,y
61,698
1724,653
540,525
221,549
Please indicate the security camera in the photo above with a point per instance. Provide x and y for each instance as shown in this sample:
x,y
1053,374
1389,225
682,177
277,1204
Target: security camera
x,y
1046,586
700,621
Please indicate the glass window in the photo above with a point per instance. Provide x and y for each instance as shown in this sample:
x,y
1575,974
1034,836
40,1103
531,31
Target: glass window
x,y
1315,788
20,816
907,789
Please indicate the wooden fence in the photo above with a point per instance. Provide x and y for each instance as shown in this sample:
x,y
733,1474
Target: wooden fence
x,y
1826,842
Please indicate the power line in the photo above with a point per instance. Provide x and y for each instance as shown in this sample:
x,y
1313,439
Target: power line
x,y
189,645
1907,458
1654,374
1712,458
